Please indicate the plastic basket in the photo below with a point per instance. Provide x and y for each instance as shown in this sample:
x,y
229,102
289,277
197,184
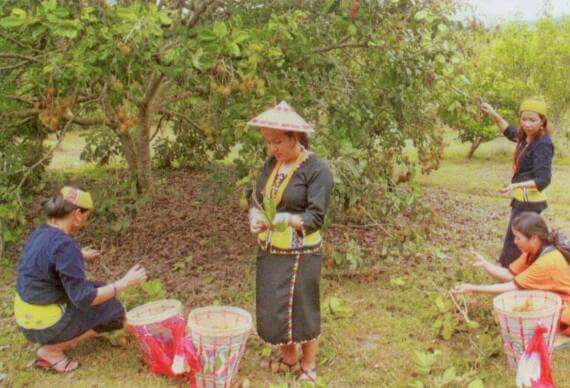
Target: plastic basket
x,y
154,319
219,334
517,328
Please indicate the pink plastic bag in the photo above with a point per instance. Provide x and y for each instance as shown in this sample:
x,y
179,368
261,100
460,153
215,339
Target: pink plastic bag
x,y
534,369
166,349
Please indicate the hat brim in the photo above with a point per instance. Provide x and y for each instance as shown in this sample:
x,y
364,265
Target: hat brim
x,y
282,117
281,126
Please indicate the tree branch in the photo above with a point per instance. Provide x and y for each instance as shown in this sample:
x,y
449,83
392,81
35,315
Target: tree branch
x,y
346,45
181,116
87,122
42,160
151,91
18,98
158,126
23,113
200,13
15,66
19,56
16,41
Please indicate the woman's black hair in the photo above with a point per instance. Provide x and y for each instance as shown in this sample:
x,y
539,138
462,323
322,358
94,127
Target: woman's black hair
x,y
57,207
532,224
302,137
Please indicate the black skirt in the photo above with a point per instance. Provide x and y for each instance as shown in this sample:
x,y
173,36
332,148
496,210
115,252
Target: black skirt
x,y
287,297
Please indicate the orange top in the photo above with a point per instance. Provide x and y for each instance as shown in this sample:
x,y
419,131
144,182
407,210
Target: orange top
x,y
550,272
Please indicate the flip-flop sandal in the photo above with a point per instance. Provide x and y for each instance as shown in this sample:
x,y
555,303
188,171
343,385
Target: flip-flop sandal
x,y
561,343
308,376
45,364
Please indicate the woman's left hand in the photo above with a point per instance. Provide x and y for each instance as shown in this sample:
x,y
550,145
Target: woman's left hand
x,y
293,220
508,191
463,288
90,254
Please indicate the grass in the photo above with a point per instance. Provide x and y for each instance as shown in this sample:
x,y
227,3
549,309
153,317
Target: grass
x,y
389,339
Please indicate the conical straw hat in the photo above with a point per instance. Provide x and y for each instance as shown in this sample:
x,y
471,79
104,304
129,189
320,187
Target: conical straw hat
x,y
283,117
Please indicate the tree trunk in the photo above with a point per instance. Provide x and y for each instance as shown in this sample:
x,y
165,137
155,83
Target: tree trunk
x,y
473,148
146,110
1,241
129,152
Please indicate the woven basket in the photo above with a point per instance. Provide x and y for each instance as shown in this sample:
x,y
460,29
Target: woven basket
x,y
517,328
154,312
153,319
219,334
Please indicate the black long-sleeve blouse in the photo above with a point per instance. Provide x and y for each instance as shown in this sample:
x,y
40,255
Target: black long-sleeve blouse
x,y
307,193
535,163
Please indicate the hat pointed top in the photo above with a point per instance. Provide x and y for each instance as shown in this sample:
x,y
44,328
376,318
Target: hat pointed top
x,y
282,117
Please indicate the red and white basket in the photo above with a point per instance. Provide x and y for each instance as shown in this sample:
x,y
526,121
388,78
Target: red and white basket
x,y
517,328
219,335
154,320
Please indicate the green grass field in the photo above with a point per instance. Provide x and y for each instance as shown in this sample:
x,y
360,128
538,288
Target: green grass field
x,y
388,337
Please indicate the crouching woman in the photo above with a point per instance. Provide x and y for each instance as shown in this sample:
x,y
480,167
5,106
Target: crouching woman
x,y
55,305
543,265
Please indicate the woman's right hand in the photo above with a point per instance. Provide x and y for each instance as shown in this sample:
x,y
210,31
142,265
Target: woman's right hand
x,y
487,109
257,221
478,259
135,276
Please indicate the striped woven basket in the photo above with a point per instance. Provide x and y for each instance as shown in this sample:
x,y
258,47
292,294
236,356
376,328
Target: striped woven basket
x,y
153,319
516,328
219,334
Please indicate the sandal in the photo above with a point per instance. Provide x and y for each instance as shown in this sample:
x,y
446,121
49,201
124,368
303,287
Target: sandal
x,y
309,376
65,361
280,366
561,342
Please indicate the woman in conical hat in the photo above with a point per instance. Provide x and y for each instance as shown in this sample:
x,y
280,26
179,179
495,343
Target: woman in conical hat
x,y
298,184
532,165
55,305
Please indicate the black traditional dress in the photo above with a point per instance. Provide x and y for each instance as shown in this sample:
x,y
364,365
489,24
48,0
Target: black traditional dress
x,y
531,161
289,262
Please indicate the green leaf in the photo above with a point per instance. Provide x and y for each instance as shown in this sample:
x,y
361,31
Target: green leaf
x,y
234,49
352,30
61,13
448,327
220,29
50,5
476,384
9,236
399,281
338,307
266,351
240,37
421,15
280,227
472,325
179,265
196,59
441,306
164,18
11,21
19,13
449,375
207,36
127,14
